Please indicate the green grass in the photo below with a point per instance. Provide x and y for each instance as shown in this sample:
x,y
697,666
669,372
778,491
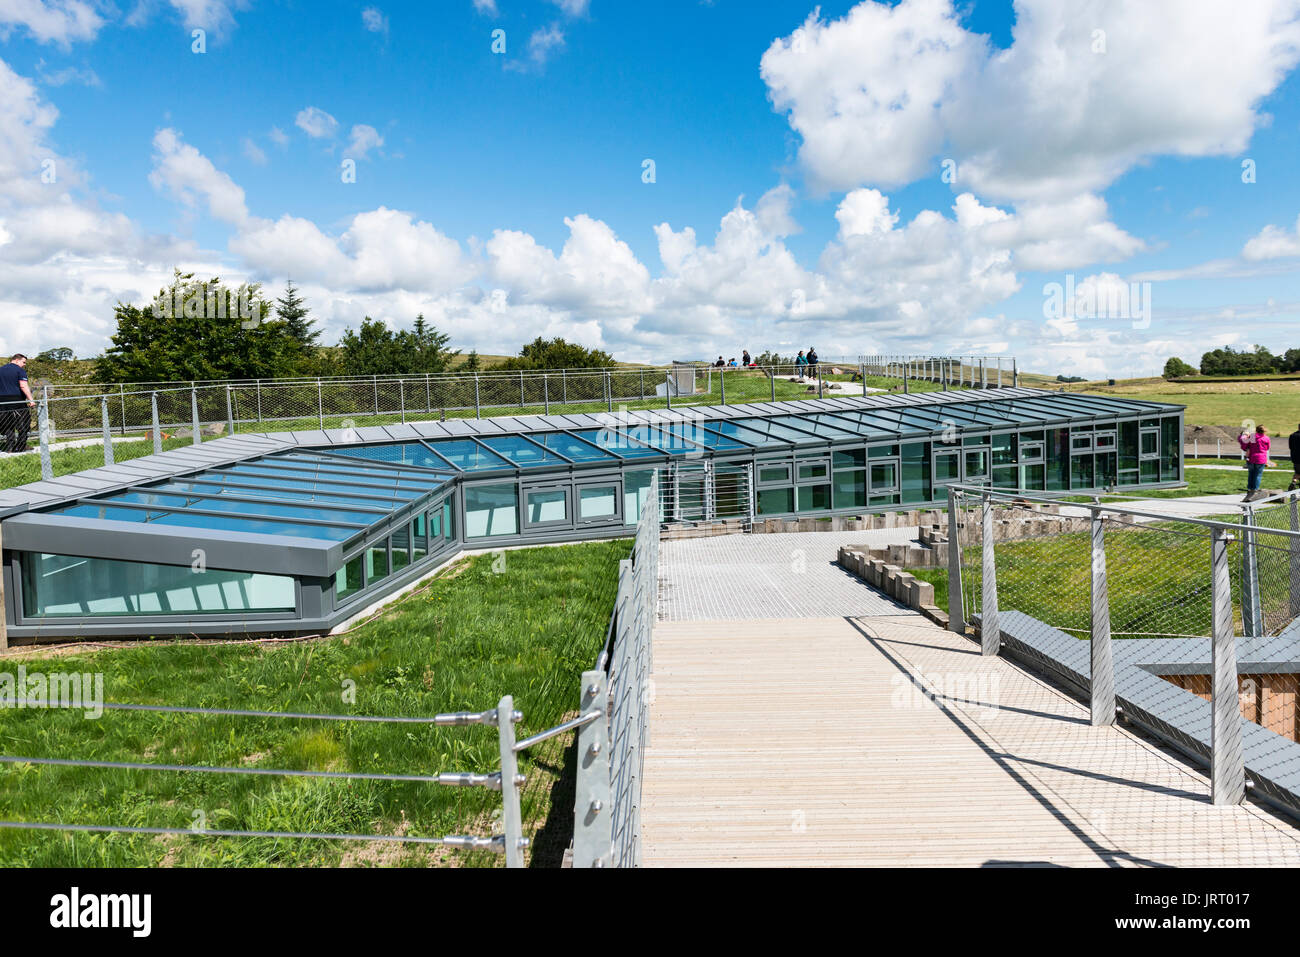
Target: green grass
x,y
469,638
21,469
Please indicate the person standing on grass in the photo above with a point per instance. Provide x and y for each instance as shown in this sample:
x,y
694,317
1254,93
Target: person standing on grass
x,y
1294,442
1256,449
812,362
800,364
15,400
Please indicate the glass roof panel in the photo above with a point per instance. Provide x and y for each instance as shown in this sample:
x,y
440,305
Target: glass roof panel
x,y
181,502
469,456
570,447
823,426
341,476
232,523
522,452
759,431
280,488
406,453
617,441
689,436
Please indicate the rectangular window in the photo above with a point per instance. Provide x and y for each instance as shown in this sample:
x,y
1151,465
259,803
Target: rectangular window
x,y
1032,477
814,498
773,474
347,580
1081,443
636,488
1081,472
849,458
884,477
1030,452
977,464
419,537
64,586
597,502
548,506
1004,450
491,510
1105,441
376,562
813,471
448,521
401,548
916,473
1150,445
947,466
883,451
775,501
849,490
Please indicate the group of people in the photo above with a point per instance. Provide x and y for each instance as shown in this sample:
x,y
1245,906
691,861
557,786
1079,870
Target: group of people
x,y
15,404
805,364
1256,448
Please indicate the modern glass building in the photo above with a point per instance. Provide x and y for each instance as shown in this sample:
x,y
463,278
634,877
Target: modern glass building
x,y
297,532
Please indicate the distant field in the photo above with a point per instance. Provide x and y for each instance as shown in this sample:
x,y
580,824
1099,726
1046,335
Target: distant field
x,y
1273,402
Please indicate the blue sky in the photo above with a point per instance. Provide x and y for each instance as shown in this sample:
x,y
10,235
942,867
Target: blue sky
x,y
521,173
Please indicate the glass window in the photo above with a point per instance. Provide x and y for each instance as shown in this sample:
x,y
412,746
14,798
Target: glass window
x,y
977,463
521,452
407,453
1128,446
1081,472
849,490
419,537
347,580
636,488
491,510
775,501
1032,477
377,562
814,498
813,471
1104,441
1030,452
448,521
65,586
570,447
773,474
547,505
916,472
597,501
1004,450
884,477
947,467
883,451
1150,444
1058,460
401,548
469,456
849,458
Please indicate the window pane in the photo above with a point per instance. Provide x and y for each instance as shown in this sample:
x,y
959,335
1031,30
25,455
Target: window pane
x,y
376,562
401,548
773,473
947,467
814,498
815,470
68,586
548,505
977,464
775,501
597,501
347,580
636,487
491,510
850,458
884,476
850,489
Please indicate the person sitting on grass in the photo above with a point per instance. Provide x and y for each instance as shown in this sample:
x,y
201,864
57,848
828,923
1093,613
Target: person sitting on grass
x,y
1256,449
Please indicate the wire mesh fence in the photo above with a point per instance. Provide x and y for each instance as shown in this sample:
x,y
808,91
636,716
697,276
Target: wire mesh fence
x,y
1149,606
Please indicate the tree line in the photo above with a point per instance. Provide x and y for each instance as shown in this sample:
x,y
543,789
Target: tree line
x,y
206,329
1231,362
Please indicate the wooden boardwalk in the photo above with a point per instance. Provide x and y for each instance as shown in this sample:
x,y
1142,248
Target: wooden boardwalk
x,y
815,741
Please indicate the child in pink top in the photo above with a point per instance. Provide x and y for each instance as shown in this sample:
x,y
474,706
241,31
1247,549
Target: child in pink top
x,y
1256,449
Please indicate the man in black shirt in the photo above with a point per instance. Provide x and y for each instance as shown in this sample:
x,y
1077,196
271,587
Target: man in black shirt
x,y
15,400
1294,442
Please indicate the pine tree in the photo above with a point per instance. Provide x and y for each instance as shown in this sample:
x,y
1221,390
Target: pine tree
x,y
290,309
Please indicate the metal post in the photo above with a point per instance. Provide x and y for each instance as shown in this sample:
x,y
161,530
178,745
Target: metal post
x,y
945,372
1227,763
1103,667
230,414
194,416
546,393
670,383
820,380
428,396
642,384
4,628
108,432
609,392
956,620
259,402
999,372
157,429
320,404
564,387
511,816
593,811
722,384
521,388
476,409
990,633
1015,374
374,381
121,389
43,433
1294,548
984,375
904,370
1252,612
